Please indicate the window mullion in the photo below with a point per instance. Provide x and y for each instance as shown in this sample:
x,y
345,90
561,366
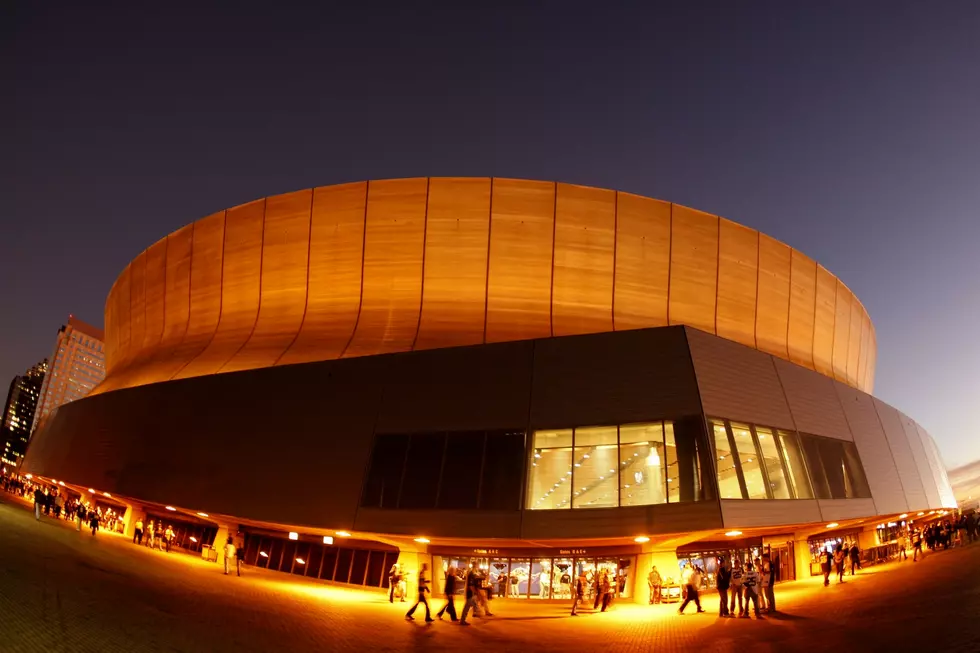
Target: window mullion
x,y
619,477
790,480
736,459
762,460
571,490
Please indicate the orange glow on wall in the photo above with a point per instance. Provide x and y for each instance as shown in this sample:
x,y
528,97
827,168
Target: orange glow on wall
x,y
405,264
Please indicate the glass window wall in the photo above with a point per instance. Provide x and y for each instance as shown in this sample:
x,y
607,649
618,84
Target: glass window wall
x,y
793,463
550,485
644,464
609,466
778,486
728,485
595,454
749,459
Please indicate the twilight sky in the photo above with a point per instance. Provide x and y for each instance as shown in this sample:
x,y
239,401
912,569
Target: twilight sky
x,y
849,130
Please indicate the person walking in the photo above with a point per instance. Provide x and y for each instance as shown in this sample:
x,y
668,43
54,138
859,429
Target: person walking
x,y
151,533
450,590
723,581
768,582
903,545
737,590
423,590
917,538
471,582
606,589
38,503
839,557
240,554
93,521
394,576
655,582
692,581
138,532
230,551
751,582
855,558
578,594
80,513
168,536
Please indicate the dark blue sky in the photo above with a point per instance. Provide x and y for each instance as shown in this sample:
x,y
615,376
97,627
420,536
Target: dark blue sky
x,y
849,130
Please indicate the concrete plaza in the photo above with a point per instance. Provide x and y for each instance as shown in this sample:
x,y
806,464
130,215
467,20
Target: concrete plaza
x,y
66,591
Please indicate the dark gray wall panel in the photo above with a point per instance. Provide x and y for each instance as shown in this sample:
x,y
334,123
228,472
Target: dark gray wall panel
x,y
872,446
813,401
463,388
898,442
613,378
738,382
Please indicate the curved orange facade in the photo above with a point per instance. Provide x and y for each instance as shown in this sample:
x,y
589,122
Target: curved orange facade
x,y
404,264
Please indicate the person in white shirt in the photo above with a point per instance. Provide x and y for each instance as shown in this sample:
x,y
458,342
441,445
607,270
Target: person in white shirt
x,y
737,590
692,581
229,553
750,580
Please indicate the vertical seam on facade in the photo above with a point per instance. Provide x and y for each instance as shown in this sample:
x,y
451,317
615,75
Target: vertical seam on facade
x,y
758,275
789,305
360,300
612,306
833,348
670,255
816,304
221,295
425,240
486,280
306,304
190,281
901,484
554,233
717,273
258,310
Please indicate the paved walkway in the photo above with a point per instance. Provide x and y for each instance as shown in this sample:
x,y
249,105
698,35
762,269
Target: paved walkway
x,y
65,591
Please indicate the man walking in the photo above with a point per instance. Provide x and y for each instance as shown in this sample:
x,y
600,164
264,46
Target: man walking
x,y
692,581
655,582
168,536
423,590
38,502
918,546
723,580
579,593
855,558
138,532
450,590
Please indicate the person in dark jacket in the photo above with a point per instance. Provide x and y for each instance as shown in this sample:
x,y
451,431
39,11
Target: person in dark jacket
x,y
93,521
826,565
855,556
450,590
723,580
579,592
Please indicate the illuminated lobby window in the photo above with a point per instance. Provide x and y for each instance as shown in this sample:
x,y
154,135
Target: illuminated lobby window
x,y
728,485
749,460
792,456
757,462
609,466
778,485
551,470
596,457
644,464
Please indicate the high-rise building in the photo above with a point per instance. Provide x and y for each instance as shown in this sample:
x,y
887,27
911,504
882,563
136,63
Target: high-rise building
x,y
77,365
18,412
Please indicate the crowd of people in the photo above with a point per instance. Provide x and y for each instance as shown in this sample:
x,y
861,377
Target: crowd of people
x,y
57,503
156,536
742,587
